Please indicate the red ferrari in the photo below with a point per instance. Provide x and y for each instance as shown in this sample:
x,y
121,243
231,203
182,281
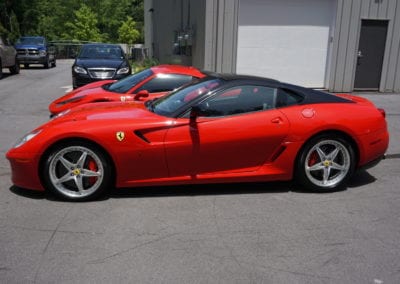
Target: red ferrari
x,y
221,129
153,82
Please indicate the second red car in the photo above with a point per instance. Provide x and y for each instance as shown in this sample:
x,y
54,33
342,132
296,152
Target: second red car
x,y
149,83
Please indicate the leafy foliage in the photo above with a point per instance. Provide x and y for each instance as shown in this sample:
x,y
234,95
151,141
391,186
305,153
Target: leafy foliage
x,y
89,20
84,26
127,32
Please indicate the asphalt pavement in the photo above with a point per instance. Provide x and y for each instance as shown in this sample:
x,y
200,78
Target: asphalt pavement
x,y
239,233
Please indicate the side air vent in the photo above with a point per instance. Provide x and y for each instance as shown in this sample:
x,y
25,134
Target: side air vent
x,y
141,136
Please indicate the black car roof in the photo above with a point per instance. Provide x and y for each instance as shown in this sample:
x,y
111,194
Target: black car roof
x,y
231,77
310,95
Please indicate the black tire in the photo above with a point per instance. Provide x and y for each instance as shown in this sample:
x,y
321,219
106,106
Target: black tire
x,y
15,69
54,64
325,163
74,85
77,171
26,65
47,63
1,70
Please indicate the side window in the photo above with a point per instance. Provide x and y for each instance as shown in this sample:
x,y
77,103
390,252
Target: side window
x,y
241,99
165,83
287,97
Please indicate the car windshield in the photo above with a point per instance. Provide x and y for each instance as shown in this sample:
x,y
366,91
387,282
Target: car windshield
x,y
182,97
101,52
124,85
31,40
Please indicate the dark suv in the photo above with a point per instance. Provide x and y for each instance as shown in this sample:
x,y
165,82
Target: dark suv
x,y
8,57
35,50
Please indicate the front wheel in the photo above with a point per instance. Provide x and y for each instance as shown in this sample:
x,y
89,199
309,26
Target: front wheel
x,y
77,171
1,70
325,164
47,63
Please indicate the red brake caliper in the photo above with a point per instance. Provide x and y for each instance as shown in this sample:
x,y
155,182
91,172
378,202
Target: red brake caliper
x,y
313,159
93,167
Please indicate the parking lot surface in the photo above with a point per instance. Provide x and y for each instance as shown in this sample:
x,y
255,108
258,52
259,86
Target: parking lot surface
x,y
239,233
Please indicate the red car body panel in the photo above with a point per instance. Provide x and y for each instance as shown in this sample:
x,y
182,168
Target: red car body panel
x,y
94,92
160,150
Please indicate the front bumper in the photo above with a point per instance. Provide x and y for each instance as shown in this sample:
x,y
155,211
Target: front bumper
x,y
31,59
80,80
24,169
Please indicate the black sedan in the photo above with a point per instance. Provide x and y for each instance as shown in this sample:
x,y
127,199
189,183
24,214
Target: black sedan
x,y
99,61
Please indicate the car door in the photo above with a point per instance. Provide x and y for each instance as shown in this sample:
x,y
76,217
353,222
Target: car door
x,y
240,133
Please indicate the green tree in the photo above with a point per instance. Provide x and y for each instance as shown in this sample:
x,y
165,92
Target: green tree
x,y
127,32
84,27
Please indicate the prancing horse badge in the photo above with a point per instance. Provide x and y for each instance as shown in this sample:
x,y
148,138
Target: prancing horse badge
x,y
120,135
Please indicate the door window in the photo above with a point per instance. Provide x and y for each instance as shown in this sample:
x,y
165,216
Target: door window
x,y
240,99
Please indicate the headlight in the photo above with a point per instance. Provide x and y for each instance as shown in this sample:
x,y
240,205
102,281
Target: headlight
x,y
123,70
61,113
80,70
42,52
26,138
71,100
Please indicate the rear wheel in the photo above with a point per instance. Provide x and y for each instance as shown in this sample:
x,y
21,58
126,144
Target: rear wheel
x,y
325,164
77,171
26,66
15,69
1,69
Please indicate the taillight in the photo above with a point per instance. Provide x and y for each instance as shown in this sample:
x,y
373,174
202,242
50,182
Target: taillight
x,y
382,111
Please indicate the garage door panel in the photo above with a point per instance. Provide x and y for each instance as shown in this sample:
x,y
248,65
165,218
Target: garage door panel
x,y
287,39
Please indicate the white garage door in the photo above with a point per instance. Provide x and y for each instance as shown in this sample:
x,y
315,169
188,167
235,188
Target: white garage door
x,y
287,40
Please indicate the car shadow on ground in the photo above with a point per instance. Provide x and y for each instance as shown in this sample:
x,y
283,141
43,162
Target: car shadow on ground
x,y
359,179
6,74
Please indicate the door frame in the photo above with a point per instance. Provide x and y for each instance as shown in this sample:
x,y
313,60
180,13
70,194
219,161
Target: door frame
x,y
357,48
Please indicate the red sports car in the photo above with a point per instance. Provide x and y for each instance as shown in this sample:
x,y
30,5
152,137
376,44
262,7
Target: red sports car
x,y
221,129
153,82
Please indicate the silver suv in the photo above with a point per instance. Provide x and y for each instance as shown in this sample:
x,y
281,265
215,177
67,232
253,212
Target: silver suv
x,y
8,57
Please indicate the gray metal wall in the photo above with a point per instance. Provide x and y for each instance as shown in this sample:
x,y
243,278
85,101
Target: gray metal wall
x,y
345,45
221,28
163,17
215,40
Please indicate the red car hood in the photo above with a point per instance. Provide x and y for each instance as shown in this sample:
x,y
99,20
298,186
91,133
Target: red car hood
x,y
109,111
68,100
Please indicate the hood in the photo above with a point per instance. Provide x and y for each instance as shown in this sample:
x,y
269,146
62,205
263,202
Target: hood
x,y
100,63
109,112
29,46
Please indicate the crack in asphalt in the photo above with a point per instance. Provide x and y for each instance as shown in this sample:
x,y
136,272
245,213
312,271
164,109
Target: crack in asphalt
x,y
50,240
102,260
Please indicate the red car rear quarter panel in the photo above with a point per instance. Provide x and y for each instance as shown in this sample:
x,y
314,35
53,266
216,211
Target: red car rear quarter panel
x,y
363,123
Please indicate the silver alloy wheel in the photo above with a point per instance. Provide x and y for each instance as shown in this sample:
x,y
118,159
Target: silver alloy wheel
x,y
76,171
327,163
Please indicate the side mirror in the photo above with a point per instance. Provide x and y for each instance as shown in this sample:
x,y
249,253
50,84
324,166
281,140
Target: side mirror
x,y
194,112
198,110
141,94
